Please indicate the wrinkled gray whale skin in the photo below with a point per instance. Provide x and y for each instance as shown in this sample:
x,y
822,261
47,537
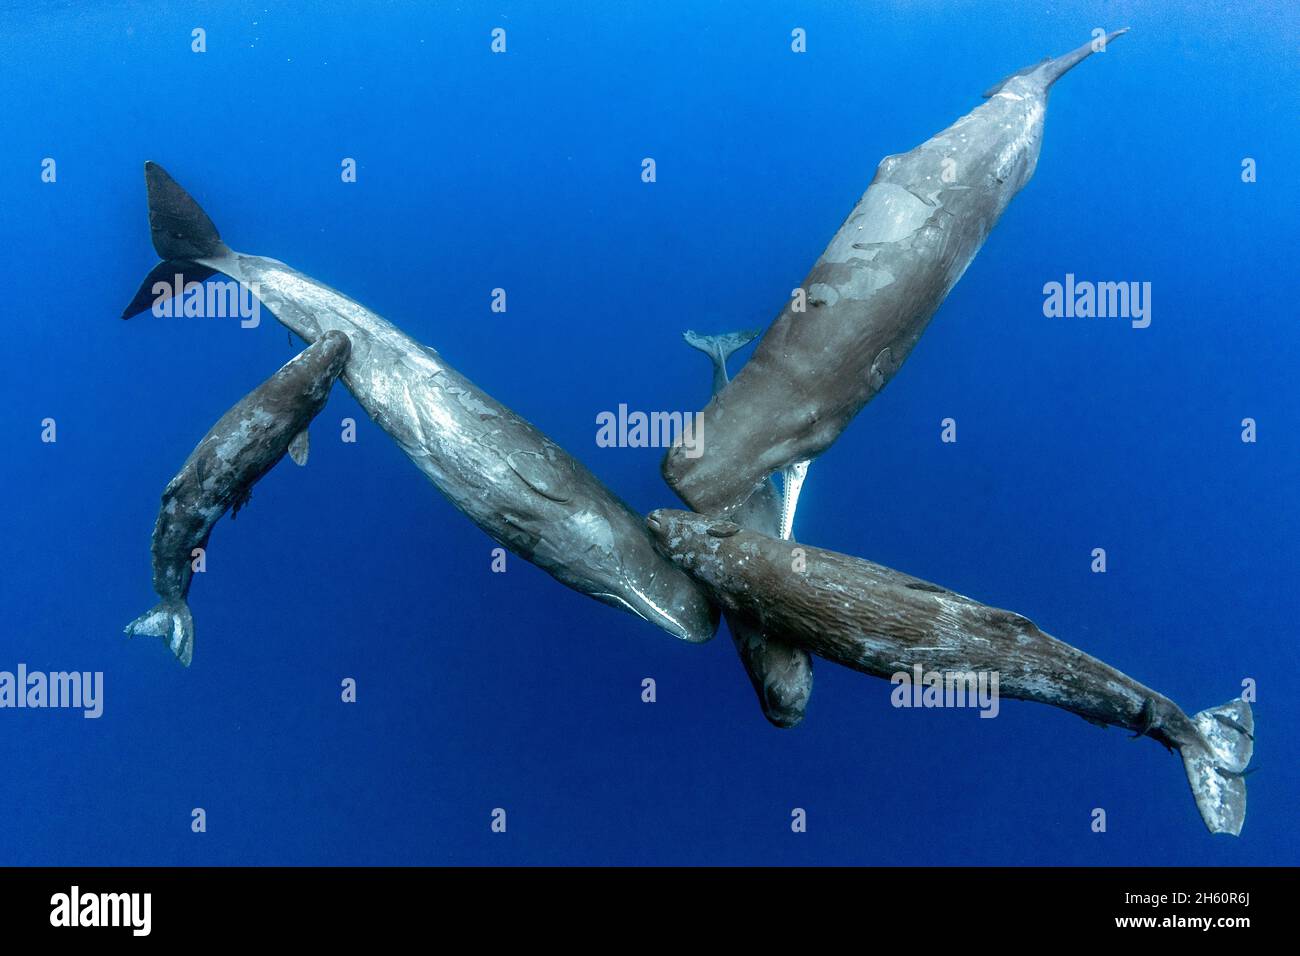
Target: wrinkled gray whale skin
x,y
512,481
883,622
871,294
780,673
244,444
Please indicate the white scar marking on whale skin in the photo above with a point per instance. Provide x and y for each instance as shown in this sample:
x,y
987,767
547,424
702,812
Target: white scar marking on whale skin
x,y
886,213
821,292
413,414
864,282
1023,146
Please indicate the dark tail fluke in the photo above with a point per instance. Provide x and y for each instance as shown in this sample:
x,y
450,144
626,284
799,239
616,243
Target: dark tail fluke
x,y
180,227
170,620
181,232
1216,761
165,272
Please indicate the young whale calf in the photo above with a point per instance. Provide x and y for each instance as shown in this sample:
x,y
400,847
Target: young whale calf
x,y
516,484
219,475
871,294
882,622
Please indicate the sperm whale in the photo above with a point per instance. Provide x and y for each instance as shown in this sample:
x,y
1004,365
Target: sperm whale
x,y
218,476
882,622
872,293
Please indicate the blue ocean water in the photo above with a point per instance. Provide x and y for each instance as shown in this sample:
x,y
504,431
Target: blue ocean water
x,y
522,171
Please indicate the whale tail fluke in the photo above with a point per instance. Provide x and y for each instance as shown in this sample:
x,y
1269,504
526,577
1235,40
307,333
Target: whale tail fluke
x,y
719,348
1050,70
171,620
1215,761
179,226
166,272
181,232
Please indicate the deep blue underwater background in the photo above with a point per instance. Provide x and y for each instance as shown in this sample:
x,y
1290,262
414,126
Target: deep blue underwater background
x,y
476,171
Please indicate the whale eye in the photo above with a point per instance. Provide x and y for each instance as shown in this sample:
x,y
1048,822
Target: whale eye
x,y
723,529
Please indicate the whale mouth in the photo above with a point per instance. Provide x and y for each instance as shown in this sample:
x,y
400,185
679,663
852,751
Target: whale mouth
x,y
642,606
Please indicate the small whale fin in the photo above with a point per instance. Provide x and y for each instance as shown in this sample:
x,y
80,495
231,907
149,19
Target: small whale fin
x,y
171,620
242,498
299,448
1048,71
179,226
1215,762
1148,718
719,348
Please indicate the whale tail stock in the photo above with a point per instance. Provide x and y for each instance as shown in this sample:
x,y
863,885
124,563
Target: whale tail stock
x,y
1053,68
171,620
181,232
1215,760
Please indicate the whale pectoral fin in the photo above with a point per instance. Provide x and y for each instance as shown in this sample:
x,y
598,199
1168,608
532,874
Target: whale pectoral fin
x,y
241,500
1148,718
882,369
549,477
299,448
